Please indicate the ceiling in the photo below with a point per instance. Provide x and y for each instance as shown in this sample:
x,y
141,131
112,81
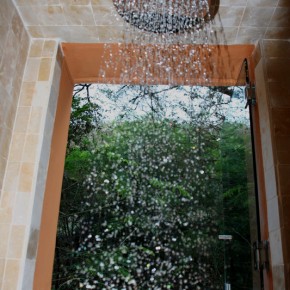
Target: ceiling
x,y
93,21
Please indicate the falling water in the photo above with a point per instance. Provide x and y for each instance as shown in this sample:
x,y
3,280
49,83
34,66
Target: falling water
x,y
163,41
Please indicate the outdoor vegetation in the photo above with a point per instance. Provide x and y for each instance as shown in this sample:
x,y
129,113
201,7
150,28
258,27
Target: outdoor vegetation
x,y
151,180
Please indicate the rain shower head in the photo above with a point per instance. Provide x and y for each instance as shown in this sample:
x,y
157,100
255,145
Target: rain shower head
x,y
165,16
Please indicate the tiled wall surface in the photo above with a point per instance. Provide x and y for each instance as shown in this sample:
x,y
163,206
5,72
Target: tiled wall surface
x,y
28,105
273,90
237,22
14,43
29,149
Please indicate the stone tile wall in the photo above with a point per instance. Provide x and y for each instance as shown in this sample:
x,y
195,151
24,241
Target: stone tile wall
x,y
273,93
14,43
27,161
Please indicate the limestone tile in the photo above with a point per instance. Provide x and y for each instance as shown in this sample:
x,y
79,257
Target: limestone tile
x,y
36,2
5,215
44,69
278,277
78,15
270,183
276,247
26,177
3,162
110,33
4,234
107,15
257,16
11,274
273,214
16,242
49,48
35,120
6,11
26,95
278,70
2,265
16,148
233,3
76,2
12,176
250,34
281,121
276,48
41,94
43,15
100,2
262,3
281,17
277,33
81,34
35,31
36,48
17,25
225,35
279,95
5,140
32,69
230,16
22,119
3,37
7,199
21,208
283,179
30,148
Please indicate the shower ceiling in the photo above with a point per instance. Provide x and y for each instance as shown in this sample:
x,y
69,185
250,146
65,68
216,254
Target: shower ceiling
x,y
89,21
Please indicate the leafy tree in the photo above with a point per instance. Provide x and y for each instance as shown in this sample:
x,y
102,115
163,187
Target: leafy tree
x,y
144,199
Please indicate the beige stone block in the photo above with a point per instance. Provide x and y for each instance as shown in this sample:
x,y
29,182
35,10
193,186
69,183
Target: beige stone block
x,y
6,11
250,34
26,177
7,199
5,215
12,176
36,48
35,31
30,148
43,15
32,69
16,148
17,25
36,2
21,207
78,15
26,94
15,247
281,17
22,118
76,2
230,16
262,3
44,70
4,234
11,275
257,16
2,265
49,48
35,120
107,15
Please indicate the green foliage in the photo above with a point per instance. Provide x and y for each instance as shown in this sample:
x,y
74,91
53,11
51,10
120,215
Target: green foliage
x,y
143,203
